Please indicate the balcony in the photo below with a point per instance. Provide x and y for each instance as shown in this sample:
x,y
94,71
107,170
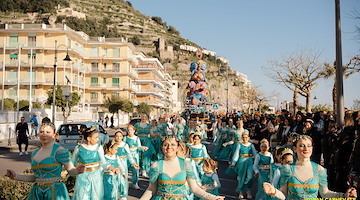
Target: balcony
x,y
94,100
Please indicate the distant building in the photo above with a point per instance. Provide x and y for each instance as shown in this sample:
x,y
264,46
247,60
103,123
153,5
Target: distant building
x,y
100,67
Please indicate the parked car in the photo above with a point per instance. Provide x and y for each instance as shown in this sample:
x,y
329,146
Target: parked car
x,y
69,133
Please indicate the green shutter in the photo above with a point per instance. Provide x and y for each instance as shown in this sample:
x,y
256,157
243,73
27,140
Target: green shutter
x,y
14,56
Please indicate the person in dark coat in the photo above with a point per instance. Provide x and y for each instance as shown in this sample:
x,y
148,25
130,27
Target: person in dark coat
x,y
22,133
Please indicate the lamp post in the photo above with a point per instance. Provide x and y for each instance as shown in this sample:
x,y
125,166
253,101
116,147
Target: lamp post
x,y
340,112
67,58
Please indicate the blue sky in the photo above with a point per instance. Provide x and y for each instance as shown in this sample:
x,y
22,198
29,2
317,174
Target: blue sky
x,y
252,32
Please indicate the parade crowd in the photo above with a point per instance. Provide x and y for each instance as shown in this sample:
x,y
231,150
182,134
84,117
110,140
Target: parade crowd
x,y
292,157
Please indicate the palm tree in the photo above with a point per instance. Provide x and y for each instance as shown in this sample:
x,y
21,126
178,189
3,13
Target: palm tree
x,y
330,72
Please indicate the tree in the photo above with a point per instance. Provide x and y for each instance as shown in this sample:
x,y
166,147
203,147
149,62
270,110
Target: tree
x,y
298,72
60,101
23,105
36,105
127,106
330,72
9,104
321,107
144,108
135,40
356,105
173,30
114,104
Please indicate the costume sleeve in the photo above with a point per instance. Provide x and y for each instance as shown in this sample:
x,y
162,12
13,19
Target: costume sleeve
x,y
140,148
276,177
194,169
285,175
129,155
254,150
154,172
324,190
198,191
189,170
62,155
103,162
75,155
271,158
256,163
121,166
206,155
149,191
236,155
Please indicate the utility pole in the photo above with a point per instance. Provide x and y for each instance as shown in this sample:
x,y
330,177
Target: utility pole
x,y
340,113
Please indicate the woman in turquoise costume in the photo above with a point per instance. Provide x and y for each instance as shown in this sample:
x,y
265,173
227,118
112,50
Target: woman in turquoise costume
x,y
223,130
113,179
198,153
46,163
89,185
126,160
227,149
156,138
135,148
180,127
143,132
242,164
169,175
261,166
304,179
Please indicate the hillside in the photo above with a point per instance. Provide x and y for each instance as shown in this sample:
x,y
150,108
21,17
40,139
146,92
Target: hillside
x,y
117,18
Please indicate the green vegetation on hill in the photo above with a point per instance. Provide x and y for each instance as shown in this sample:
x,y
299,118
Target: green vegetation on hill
x,y
24,6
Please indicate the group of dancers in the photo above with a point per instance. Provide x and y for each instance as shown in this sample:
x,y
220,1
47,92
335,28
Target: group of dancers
x,y
175,158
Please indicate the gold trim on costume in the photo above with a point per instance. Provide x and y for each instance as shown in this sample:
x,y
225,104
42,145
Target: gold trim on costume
x,y
44,166
303,185
246,155
172,182
198,159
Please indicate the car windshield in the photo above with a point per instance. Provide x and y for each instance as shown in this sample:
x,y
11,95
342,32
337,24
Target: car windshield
x,y
70,129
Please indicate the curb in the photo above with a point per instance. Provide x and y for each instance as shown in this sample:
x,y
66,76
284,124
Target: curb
x,y
33,144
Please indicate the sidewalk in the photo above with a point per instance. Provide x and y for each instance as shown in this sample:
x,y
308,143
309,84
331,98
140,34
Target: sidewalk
x,y
33,144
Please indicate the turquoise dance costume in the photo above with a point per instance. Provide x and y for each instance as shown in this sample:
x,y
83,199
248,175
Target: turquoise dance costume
x,y
211,182
156,141
89,185
198,154
134,146
126,159
144,134
299,190
222,132
171,187
112,181
243,165
262,166
48,174
275,174
180,127
226,152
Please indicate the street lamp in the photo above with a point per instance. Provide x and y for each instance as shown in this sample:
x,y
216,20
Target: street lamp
x,y
67,58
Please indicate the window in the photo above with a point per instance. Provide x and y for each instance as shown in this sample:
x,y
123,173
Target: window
x,y
116,94
116,67
104,80
115,82
94,82
104,96
14,41
31,41
32,58
94,67
13,59
105,52
32,92
32,75
95,51
12,76
116,52
12,93
94,97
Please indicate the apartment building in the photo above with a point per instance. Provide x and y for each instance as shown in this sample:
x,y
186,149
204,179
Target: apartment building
x,y
154,85
99,67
